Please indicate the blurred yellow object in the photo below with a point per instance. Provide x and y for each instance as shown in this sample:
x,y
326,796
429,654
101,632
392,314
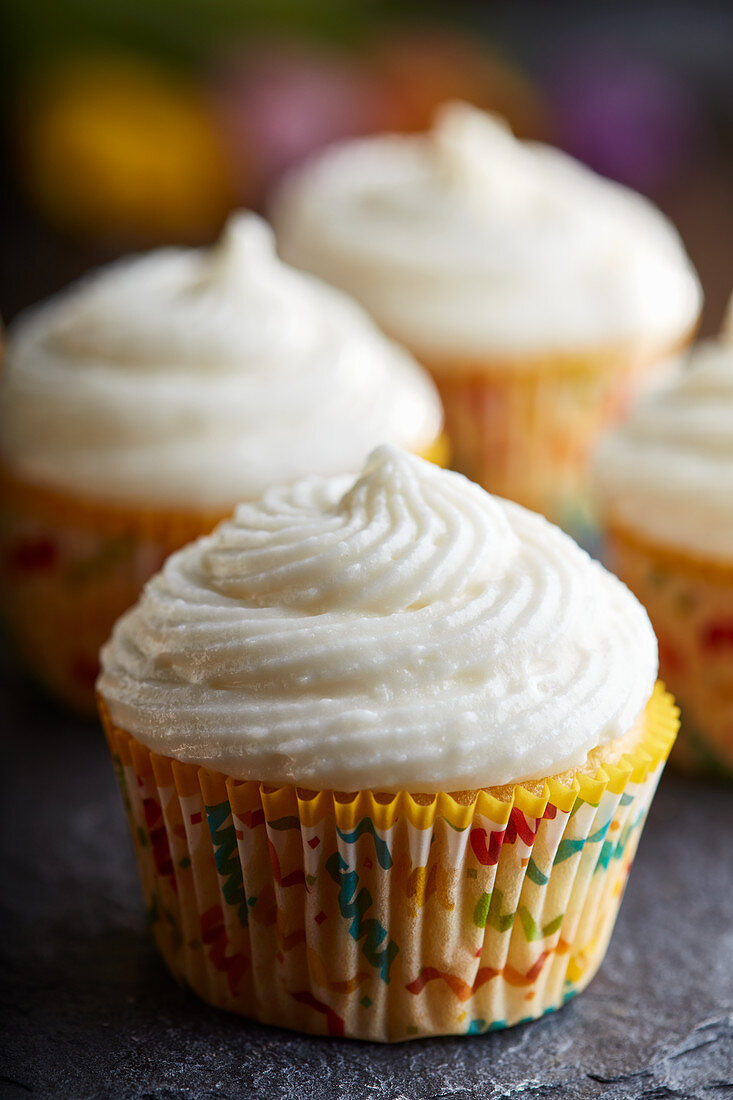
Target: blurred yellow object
x,y
113,148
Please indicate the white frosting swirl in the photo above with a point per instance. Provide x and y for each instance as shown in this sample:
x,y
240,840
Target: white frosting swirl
x,y
408,631
466,241
197,377
668,471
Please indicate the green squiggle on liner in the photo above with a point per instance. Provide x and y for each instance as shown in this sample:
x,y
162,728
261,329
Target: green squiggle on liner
x,y
226,856
354,906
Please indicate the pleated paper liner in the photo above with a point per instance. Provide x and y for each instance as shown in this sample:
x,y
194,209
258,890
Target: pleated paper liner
x,y
386,917
527,430
690,603
70,566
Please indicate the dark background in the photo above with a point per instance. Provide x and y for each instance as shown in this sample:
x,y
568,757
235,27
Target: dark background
x,y
643,92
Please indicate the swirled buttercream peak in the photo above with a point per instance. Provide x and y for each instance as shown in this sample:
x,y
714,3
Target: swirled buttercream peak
x,y
404,630
479,156
201,376
395,537
466,242
201,309
667,472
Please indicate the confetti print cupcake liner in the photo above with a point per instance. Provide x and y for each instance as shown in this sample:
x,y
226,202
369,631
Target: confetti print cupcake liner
x,y
690,604
68,569
529,431
386,917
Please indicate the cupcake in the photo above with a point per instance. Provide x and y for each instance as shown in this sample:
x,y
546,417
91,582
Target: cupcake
x,y
665,481
140,405
538,294
386,746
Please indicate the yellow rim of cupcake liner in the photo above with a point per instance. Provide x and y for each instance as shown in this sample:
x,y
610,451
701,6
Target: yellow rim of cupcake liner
x,y
438,451
677,560
660,722
171,526
528,369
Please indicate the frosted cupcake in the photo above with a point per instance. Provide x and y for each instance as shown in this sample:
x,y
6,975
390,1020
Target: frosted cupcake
x,y
140,405
285,682
537,293
666,484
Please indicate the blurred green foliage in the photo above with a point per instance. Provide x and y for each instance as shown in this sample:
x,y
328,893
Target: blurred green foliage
x,y
183,33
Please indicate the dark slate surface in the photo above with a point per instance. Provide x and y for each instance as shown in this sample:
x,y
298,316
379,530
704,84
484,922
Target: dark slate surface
x,y
88,1010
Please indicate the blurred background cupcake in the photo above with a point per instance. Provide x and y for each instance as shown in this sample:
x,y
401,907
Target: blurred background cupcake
x,y
665,481
538,295
141,404
387,745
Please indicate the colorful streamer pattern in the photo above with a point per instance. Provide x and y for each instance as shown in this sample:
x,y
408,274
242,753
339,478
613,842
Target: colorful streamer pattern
x,y
62,591
529,434
385,920
68,570
690,604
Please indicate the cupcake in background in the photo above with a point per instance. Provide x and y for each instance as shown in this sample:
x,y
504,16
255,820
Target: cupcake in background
x,y
141,404
285,682
538,294
665,483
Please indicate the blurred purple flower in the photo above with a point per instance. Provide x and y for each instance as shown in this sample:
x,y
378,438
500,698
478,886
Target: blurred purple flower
x,y
633,121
